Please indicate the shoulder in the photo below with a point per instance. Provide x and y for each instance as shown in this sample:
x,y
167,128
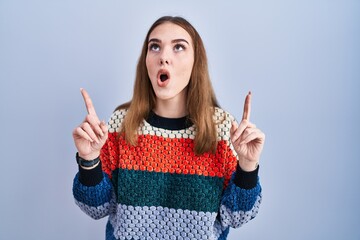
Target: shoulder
x,y
116,119
220,115
222,118
223,121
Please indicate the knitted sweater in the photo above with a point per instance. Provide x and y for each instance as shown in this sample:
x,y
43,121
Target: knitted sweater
x,y
159,189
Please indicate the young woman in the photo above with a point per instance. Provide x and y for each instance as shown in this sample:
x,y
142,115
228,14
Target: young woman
x,y
170,164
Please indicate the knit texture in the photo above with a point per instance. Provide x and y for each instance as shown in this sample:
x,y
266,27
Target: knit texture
x,y
159,189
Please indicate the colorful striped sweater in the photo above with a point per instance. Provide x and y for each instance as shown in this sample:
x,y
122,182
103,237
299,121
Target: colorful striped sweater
x,y
160,189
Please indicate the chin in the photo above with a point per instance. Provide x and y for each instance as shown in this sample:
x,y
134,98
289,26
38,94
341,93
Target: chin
x,y
164,96
169,94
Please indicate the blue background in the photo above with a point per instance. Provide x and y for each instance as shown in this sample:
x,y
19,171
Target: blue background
x,y
300,59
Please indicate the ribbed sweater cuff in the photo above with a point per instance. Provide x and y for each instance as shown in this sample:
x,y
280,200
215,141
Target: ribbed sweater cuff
x,y
91,177
246,180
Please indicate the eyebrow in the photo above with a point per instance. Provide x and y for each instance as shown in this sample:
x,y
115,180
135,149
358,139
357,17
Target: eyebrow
x,y
172,41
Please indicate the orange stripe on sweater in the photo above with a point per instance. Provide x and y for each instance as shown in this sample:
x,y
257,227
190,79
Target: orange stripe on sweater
x,y
167,155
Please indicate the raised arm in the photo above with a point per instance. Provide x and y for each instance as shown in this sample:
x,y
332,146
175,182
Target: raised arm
x,y
91,134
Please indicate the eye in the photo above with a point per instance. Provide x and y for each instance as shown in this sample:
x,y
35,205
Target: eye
x,y
154,47
179,47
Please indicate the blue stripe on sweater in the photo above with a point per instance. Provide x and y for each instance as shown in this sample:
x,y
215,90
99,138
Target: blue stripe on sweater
x,y
93,196
238,199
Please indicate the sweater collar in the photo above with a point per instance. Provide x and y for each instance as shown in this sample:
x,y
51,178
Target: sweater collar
x,y
168,123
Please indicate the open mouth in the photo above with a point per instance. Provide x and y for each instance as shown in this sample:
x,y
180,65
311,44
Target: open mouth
x,y
163,77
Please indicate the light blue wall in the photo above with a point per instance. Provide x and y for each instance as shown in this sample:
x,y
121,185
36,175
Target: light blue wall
x,y
301,59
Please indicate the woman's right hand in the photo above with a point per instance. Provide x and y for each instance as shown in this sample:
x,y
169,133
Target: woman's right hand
x,y
91,134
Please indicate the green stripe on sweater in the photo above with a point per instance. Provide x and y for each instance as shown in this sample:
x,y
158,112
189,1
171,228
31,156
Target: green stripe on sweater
x,y
179,191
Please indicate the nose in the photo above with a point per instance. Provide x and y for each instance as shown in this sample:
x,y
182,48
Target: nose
x,y
165,56
164,61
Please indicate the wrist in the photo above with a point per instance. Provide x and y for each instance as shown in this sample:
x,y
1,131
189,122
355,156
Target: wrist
x,y
90,156
248,166
87,164
89,168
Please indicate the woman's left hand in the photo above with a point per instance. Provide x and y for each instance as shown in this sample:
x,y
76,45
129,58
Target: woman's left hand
x,y
248,141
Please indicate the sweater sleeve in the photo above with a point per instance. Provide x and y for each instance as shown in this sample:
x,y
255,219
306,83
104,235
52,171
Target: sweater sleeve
x,y
241,199
241,196
93,189
94,200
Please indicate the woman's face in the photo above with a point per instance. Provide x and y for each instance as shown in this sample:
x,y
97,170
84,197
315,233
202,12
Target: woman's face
x,y
169,61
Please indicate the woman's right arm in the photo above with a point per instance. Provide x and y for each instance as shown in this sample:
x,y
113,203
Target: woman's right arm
x,y
92,188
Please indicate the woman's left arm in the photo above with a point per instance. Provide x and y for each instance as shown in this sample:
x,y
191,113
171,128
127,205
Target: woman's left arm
x,y
242,197
247,140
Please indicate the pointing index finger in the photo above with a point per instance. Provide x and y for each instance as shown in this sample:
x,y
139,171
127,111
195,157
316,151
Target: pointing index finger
x,y
88,103
247,107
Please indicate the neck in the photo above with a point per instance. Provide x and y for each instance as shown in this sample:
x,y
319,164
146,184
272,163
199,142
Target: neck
x,y
171,108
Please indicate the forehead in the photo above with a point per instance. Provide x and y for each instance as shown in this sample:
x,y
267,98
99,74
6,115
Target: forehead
x,y
170,31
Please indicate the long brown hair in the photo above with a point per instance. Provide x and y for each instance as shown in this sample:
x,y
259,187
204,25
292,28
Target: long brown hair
x,y
201,98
